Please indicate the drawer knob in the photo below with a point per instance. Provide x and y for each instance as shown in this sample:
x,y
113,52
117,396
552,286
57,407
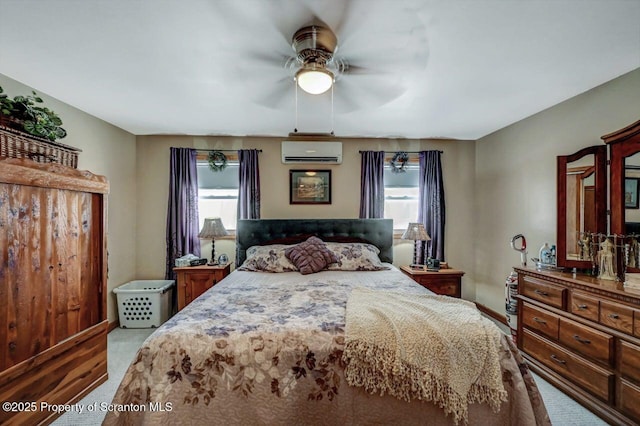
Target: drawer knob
x,y
540,292
614,316
582,307
581,340
539,320
558,360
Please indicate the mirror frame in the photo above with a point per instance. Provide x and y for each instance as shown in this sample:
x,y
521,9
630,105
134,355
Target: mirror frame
x,y
622,144
600,172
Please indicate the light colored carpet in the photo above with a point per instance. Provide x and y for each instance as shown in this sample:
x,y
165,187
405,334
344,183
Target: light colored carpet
x,y
123,344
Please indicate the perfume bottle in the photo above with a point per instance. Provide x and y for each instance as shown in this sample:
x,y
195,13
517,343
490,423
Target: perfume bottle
x,y
545,254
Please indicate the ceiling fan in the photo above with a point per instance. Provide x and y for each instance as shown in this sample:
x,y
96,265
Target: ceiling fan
x,y
366,55
316,65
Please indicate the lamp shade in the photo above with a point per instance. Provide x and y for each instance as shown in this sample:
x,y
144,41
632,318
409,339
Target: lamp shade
x,y
416,232
212,228
314,80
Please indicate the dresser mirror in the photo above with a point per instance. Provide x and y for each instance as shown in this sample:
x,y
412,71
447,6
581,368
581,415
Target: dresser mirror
x,y
624,146
630,190
625,169
581,205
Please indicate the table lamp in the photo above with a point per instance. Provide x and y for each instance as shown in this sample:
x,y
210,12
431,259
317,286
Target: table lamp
x,y
415,232
212,228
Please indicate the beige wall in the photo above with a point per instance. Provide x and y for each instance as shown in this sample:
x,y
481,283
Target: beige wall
x,y
515,180
500,186
153,175
110,151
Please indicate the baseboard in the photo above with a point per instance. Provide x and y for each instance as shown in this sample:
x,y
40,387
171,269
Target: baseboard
x,y
113,326
500,317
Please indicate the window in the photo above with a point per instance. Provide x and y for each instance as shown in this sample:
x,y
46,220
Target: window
x,y
218,193
401,195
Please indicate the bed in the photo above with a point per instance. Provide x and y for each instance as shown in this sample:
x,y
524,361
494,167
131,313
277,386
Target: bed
x,y
270,347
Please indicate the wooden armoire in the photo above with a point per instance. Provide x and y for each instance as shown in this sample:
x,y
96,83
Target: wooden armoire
x,y
53,275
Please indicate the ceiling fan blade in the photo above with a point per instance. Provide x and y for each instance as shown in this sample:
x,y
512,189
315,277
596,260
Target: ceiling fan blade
x,y
344,20
356,69
344,102
286,23
366,91
369,40
268,59
280,94
361,70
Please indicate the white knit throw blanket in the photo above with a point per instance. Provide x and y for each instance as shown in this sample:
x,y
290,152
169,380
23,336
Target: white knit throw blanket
x,y
420,346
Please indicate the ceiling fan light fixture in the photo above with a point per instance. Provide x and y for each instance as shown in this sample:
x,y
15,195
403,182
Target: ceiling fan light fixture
x,y
314,80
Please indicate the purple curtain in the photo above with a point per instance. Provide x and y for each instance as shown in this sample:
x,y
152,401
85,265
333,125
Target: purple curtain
x,y
372,185
431,208
249,181
182,214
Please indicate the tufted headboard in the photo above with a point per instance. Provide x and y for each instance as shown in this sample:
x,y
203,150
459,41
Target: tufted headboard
x,y
253,232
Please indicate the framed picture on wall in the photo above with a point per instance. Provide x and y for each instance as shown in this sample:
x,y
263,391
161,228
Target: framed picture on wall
x,y
309,186
631,193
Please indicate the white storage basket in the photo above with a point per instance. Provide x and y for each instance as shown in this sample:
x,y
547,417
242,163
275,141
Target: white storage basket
x,y
144,303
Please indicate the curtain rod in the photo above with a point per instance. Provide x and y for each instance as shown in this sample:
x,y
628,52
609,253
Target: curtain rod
x,y
221,150
408,152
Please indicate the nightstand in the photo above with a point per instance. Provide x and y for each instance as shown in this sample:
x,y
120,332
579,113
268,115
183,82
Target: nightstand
x,y
445,281
194,280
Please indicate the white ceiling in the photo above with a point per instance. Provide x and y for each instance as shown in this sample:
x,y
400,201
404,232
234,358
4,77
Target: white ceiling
x,y
435,68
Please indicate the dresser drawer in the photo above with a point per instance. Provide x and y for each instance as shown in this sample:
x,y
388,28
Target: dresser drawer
x,y
630,360
589,376
587,341
585,306
448,287
616,316
540,320
629,399
543,291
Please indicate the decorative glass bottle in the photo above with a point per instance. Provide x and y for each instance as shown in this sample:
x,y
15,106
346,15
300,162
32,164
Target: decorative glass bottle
x,y
545,254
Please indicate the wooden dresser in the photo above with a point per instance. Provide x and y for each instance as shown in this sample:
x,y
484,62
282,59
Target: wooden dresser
x,y
444,281
192,281
583,336
53,276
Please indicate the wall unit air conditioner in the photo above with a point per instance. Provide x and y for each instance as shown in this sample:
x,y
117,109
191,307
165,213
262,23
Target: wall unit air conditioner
x,y
324,152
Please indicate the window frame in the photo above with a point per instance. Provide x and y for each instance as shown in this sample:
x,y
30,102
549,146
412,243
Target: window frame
x,y
412,164
233,160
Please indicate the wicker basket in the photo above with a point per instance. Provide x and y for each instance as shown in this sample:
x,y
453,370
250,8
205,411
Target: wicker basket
x,y
17,144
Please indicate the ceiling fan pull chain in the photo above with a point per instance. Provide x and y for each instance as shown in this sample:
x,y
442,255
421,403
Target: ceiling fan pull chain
x,y
295,129
332,109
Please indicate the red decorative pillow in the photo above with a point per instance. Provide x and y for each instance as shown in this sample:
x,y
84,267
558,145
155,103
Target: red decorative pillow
x,y
310,256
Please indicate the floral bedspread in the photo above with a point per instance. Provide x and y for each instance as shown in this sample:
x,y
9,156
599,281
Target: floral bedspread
x,y
266,348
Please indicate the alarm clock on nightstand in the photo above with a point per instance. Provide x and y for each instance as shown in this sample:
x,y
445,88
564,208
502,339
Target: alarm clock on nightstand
x,y
223,259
